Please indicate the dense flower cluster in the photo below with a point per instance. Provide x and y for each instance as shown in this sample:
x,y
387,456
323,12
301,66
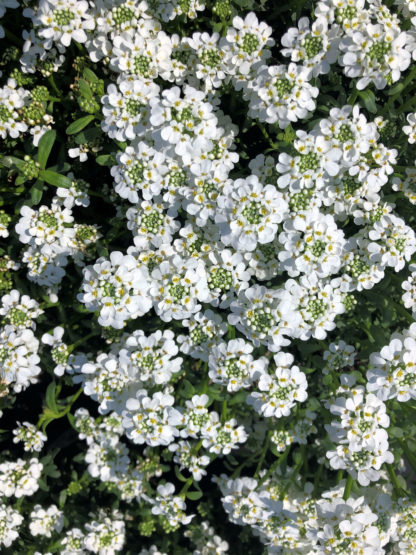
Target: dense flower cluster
x,y
213,313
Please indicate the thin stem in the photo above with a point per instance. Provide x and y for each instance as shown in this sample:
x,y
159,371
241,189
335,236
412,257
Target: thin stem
x,y
52,83
277,463
266,135
263,453
295,472
395,482
348,487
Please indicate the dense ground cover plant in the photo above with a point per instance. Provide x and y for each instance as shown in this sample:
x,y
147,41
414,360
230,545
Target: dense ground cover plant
x,y
207,277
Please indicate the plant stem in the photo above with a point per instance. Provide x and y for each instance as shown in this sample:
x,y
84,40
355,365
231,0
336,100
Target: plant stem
x,y
277,463
263,453
266,135
52,83
394,480
348,487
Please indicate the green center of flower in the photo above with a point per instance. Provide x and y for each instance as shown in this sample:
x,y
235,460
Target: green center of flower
x,y
233,369
109,290
345,133
308,161
376,214
261,320
4,218
85,233
198,335
223,438
350,185
177,291
134,107
210,57
122,14
253,213
60,354
30,168
136,172
347,13
152,221
177,178
250,43
3,354
5,114
220,278
300,201
283,86
357,267
48,219
318,248
312,46
17,317
316,308
148,362
141,65
378,51
400,243
63,17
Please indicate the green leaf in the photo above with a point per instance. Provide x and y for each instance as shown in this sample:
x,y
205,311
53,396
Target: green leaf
x,y
238,398
78,125
85,90
45,146
50,397
194,495
36,192
396,89
20,179
88,135
179,475
10,161
56,179
62,498
90,75
369,100
105,160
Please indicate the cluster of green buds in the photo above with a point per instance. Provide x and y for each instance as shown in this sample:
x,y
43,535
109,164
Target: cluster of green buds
x,y
33,114
30,168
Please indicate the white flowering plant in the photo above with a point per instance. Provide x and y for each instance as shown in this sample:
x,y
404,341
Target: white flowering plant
x,y
207,277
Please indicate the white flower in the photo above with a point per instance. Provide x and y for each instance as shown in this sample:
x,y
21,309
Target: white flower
x,y
171,507
106,535
62,21
249,213
20,477
279,393
45,522
10,520
151,420
32,438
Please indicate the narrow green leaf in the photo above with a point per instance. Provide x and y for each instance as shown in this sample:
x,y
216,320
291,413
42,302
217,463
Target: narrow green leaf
x,y
10,161
396,89
45,147
194,495
105,160
88,135
179,475
85,90
36,192
369,100
50,397
90,75
56,179
78,125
